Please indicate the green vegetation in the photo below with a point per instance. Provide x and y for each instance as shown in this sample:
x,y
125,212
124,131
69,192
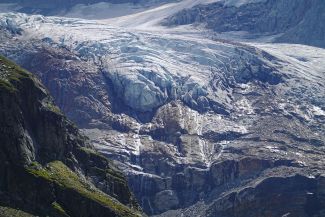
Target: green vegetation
x,y
114,174
10,212
61,175
11,73
37,170
6,85
56,206
52,107
88,151
67,191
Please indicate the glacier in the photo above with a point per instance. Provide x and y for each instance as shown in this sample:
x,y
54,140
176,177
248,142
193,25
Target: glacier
x,y
190,116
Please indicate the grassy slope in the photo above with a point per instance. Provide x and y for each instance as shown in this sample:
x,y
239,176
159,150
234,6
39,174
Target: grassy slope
x,y
56,172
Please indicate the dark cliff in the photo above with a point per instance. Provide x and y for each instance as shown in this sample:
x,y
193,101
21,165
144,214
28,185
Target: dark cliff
x,y
48,168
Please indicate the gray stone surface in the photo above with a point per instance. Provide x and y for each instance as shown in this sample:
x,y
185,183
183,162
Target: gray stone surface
x,y
290,21
218,124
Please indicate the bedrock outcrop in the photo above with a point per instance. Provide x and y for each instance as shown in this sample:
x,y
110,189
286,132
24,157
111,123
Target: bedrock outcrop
x,y
290,21
48,168
226,115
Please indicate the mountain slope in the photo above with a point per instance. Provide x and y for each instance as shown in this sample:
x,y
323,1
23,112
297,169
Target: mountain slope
x,y
290,21
48,167
201,126
79,8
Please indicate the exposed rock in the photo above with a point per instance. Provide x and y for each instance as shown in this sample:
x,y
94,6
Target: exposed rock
x,y
48,167
298,21
220,116
166,200
293,196
289,195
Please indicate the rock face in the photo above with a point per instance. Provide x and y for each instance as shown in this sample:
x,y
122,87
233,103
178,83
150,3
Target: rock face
x,y
6,211
200,127
293,195
297,21
48,168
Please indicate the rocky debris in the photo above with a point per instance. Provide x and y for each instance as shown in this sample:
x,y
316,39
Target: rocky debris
x,y
48,166
222,116
197,161
289,21
312,23
294,194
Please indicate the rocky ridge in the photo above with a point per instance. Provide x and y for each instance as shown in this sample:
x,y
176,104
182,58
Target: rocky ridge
x,y
288,21
201,127
48,168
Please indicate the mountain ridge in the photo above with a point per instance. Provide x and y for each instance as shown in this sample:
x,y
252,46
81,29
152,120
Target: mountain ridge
x,y
48,166
293,21
202,123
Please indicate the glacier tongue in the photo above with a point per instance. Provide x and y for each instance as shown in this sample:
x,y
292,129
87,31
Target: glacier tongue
x,y
148,70
183,115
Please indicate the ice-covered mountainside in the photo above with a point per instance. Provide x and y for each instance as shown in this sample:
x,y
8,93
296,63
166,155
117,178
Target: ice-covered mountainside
x,y
202,126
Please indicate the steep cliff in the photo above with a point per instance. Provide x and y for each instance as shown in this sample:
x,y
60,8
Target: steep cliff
x,y
48,168
200,126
